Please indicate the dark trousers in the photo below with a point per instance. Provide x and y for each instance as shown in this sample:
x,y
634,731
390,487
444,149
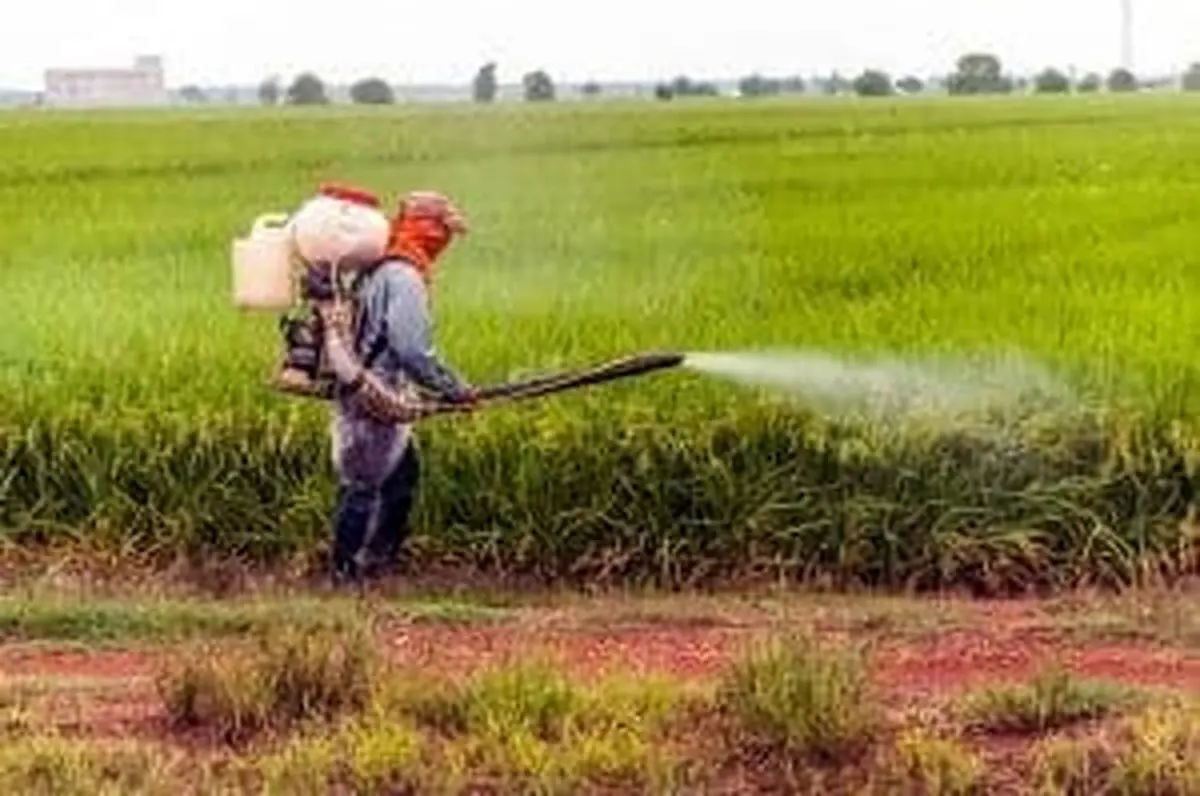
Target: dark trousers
x,y
372,525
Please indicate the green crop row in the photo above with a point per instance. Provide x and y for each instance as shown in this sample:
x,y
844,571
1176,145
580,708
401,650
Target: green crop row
x,y
133,409
764,496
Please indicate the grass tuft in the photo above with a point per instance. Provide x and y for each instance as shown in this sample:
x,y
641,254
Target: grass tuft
x,y
802,700
529,723
925,763
366,755
1159,754
287,676
1052,700
51,765
1072,766
1153,753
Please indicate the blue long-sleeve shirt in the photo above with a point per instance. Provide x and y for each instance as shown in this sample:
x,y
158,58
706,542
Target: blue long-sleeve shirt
x,y
395,342
396,333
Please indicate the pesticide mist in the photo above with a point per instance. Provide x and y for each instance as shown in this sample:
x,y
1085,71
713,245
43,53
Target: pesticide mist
x,y
894,390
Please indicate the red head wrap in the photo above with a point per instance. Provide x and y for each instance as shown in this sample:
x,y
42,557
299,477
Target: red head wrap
x,y
424,224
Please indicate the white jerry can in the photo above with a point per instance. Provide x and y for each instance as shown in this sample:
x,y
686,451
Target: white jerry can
x,y
262,265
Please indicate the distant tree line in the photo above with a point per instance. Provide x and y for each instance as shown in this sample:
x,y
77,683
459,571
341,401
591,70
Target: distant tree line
x,y
308,89
982,73
974,73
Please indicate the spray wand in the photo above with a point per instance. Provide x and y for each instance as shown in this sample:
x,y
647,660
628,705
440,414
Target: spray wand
x,y
521,390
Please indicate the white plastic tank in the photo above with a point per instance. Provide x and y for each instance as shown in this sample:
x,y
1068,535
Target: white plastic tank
x,y
262,265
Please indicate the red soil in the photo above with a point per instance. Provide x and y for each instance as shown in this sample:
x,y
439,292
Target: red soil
x,y
951,660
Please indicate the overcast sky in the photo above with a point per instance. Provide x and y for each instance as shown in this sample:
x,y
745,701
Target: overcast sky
x,y
221,41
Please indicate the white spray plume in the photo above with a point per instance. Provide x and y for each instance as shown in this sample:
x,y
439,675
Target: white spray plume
x,y
893,389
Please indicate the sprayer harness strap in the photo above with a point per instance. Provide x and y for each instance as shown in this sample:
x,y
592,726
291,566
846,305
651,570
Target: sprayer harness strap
x,y
346,377
375,397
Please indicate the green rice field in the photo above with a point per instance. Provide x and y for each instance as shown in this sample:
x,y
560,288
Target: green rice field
x,y
134,414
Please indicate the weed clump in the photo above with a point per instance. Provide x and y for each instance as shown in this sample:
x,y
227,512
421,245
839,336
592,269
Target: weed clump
x,y
47,764
1153,753
286,676
1159,753
529,723
1072,767
526,699
1052,700
368,755
802,701
922,762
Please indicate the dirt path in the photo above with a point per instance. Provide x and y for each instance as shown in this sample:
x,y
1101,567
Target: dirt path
x,y
949,660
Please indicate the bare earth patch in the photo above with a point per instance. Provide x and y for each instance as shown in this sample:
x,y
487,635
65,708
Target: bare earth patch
x,y
981,642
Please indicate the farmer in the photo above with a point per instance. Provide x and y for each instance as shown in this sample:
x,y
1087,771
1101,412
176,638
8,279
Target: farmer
x,y
377,463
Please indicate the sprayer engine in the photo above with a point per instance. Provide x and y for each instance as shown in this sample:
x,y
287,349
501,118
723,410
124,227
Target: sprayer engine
x,y
305,367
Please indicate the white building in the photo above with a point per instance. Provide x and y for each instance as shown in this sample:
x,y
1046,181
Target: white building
x,y
144,84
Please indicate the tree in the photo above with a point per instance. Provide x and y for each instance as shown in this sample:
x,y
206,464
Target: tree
x,y
684,87
1122,80
873,83
307,89
372,91
979,73
1191,78
590,88
759,86
538,86
269,91
1052,81
484,87
910,85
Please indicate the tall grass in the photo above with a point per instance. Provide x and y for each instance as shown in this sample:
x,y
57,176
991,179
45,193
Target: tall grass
x,y
133,410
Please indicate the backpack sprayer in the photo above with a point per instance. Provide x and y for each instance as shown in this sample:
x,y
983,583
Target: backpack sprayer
x,y
273,270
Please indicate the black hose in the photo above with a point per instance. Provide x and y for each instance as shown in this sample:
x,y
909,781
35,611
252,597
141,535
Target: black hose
x,y
573,379
535,387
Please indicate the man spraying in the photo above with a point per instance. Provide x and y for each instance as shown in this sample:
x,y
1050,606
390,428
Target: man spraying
x,y
377,462
359,334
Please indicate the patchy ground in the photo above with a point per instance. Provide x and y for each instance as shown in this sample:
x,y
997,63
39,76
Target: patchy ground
x,y
94,677
917,645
